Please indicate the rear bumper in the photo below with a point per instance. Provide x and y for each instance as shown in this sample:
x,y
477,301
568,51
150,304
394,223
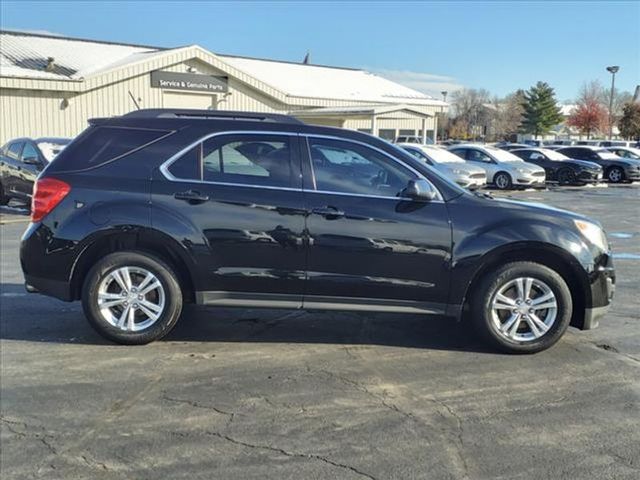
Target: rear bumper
x,y
53,288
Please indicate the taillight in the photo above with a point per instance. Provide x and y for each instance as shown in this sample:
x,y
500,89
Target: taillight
x,y
47,194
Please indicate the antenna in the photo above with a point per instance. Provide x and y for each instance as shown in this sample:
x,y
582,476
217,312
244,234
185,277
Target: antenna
x,y
134,100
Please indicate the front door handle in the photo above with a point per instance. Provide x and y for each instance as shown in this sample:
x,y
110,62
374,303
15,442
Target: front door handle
x,y
328,212
191,196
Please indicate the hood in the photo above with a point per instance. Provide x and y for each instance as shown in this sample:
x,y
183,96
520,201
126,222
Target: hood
x,y
583,164
528,167
541,208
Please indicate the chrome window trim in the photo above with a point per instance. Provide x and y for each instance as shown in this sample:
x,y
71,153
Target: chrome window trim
x,y
164,167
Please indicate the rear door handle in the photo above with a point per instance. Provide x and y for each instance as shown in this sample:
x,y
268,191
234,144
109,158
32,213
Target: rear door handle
x,y
191,196
328,212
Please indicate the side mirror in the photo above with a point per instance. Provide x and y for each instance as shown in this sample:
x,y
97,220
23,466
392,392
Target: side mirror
x,y
32,161
420,189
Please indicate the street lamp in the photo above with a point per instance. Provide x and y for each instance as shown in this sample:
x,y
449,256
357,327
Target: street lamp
x,y
612,70
444,96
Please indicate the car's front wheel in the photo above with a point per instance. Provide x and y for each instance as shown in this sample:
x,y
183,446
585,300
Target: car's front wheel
x,y
503,181
522,307
615,175
132,298
566,176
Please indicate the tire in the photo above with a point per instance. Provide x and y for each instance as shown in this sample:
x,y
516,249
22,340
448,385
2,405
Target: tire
x,y
615,175
155,311
4,200
503,181
566,176
493,323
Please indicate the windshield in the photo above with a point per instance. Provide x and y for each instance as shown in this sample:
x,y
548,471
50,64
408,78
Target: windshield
x,y
607,155
51,149
440,155
503,155
553,155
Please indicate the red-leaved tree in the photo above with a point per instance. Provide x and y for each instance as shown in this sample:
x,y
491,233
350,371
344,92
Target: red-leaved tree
x,y
590,115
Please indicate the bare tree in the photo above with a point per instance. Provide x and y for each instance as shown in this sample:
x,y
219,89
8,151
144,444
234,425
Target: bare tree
x,y
469,108
508,115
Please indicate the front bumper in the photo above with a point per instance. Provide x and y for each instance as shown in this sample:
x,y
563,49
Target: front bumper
x,y
589,176
530,181
632,175
471,183
603,287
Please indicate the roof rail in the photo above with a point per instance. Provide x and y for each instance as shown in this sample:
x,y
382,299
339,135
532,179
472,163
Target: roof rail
x,y
211,115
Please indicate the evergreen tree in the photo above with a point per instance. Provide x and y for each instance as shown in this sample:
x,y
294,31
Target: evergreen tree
x,y
541,112
629,124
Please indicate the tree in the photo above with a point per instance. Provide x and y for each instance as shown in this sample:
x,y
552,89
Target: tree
x,y
468,108
590,115
541,111
508,116
629,124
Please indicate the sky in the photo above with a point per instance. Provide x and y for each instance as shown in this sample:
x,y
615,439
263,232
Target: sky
x,y
430,46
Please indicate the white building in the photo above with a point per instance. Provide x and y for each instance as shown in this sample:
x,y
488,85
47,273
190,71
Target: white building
x,y
50,86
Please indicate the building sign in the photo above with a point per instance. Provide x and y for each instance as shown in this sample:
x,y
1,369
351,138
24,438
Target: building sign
x,y
190,81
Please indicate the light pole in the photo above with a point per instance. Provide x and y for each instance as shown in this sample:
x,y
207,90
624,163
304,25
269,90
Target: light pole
x,y
444,96
612,70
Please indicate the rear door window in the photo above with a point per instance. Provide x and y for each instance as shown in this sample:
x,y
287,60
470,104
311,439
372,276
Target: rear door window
x,y
244,159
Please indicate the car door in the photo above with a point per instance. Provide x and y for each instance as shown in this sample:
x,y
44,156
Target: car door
x,y
367,244
483,160
31,163
13,166
235,201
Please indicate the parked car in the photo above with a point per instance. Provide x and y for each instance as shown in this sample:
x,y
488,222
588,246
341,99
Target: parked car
x,y
413,139
21,160
616,169
560,168
615,143
504,170
533,143
626,152
450,165
512,146
339,220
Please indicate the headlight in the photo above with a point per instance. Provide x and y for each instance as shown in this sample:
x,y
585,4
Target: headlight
x,y
522,170
593,233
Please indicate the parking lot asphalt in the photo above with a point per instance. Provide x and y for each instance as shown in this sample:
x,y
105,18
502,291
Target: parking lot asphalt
x,y
243,394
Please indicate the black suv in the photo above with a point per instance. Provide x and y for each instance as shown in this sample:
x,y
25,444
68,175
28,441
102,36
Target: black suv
x,y
144,212
616,169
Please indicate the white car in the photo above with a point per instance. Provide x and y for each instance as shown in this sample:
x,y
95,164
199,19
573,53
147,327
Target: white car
x,y
450,165
626,152
504,169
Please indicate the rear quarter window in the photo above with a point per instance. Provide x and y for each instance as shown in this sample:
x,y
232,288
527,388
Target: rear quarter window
x,y
99,145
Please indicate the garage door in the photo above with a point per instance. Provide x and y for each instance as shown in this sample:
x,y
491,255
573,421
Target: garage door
x,y
188,100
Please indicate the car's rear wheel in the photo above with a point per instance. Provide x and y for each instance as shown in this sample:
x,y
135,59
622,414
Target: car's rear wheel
x,y
566,176
503,181
615,175
132,298
522,307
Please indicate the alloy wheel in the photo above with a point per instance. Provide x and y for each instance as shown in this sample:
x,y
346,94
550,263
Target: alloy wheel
x,y
502,181
131,298
615,175
524,309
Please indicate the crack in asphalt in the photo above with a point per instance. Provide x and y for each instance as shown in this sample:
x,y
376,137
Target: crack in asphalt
x,y
382,399
192,403
43,438
311,456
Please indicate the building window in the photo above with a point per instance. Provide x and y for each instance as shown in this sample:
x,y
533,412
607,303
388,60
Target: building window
x,y
387,133
406,133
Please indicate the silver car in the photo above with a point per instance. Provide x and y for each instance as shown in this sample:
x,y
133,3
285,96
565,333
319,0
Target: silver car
x,y
504,169
450,165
